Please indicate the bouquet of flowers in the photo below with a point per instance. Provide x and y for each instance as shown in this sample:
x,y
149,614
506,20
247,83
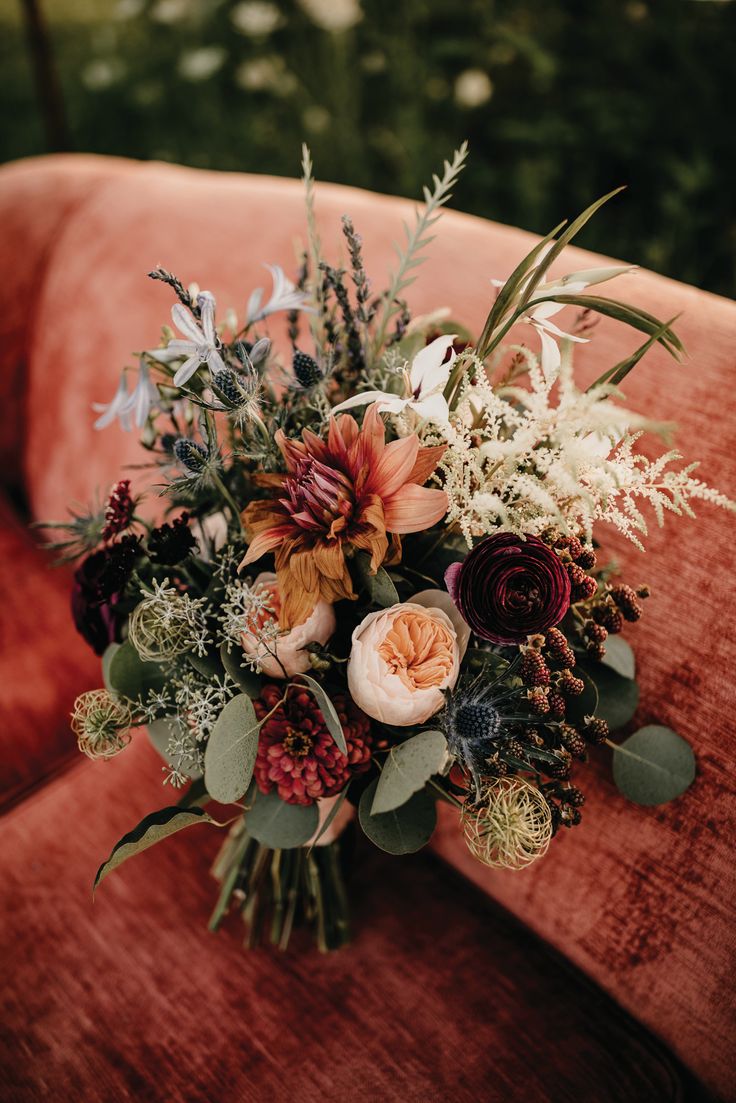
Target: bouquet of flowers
x,y
376,583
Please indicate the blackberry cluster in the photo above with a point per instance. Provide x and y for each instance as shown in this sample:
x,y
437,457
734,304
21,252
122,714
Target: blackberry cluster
x,y
607,614
579,559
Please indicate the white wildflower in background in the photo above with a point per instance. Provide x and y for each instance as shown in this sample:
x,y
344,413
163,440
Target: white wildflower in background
x,y
200,65
473,88
333,15
117,408
257,18
200,346
266,74
144,398
285,295
425,384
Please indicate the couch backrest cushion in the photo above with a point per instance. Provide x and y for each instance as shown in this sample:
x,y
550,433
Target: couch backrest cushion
x,y
642,900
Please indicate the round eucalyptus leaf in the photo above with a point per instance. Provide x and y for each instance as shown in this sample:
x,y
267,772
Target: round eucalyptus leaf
x,y
130,676
273,822
404,829
620,657
406,769
231,750
618,697
653,766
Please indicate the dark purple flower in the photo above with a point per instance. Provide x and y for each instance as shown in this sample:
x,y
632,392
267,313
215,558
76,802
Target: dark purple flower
x,y
98,582
507,588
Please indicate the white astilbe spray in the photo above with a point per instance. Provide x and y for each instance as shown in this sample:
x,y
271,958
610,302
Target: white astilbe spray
x,y
524,459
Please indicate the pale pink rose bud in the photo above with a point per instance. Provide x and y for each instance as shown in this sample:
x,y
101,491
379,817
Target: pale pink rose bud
x,y
402,659
284,655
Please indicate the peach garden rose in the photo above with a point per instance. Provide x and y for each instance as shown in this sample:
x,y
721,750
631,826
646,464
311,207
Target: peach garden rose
x,y
402,658
285,655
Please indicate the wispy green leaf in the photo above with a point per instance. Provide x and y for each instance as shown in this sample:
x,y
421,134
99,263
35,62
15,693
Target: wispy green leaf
x,y
152,829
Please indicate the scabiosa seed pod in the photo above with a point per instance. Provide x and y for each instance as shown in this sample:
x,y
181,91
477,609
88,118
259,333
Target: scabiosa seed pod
x,y
596,730
507,588
533,670
509,826
627,602
101,724
192,456
306,369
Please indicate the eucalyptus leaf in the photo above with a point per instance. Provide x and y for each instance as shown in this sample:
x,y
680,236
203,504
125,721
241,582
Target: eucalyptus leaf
x,y
378,586
403,830
110,652
130,676
208,665
332,720
273,822
152,829
620,657
653,766
618,697
407,768
245,678
231,750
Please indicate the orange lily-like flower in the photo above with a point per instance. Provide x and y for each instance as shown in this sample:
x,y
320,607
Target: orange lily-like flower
x,y
351,490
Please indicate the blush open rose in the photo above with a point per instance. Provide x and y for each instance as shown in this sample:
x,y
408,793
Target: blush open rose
x,y
284,655
402,659
507,588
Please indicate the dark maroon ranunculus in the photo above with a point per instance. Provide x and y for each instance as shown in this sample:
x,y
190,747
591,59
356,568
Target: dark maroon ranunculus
x,y
507,588
98,583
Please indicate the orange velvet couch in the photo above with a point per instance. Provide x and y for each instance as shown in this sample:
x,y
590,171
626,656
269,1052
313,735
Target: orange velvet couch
x,y
604,972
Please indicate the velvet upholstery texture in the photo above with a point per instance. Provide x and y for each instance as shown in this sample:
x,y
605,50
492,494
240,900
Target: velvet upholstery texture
x,y
132,999
642,900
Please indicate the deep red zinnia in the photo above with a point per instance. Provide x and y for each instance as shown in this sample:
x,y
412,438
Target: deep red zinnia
x,y
507,588
297,756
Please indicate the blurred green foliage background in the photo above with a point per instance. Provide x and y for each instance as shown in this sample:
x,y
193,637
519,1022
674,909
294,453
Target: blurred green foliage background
x,y
561,101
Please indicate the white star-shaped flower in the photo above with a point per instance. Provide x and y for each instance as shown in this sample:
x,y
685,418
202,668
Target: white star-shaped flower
x,y
426,381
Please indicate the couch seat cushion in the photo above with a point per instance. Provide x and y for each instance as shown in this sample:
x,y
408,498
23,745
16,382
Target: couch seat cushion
x,y
43,662
441,996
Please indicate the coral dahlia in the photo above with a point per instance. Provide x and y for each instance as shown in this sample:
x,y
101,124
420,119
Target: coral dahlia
x,y
350,490
297,756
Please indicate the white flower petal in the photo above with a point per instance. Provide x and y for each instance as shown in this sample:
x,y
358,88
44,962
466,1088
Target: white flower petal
x,y
363,399
186,371
428,372
214,361
254,304
206,303
433,408
184,322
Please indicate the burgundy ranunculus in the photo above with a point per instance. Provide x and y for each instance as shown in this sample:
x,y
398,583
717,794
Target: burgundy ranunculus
x,y
507,588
